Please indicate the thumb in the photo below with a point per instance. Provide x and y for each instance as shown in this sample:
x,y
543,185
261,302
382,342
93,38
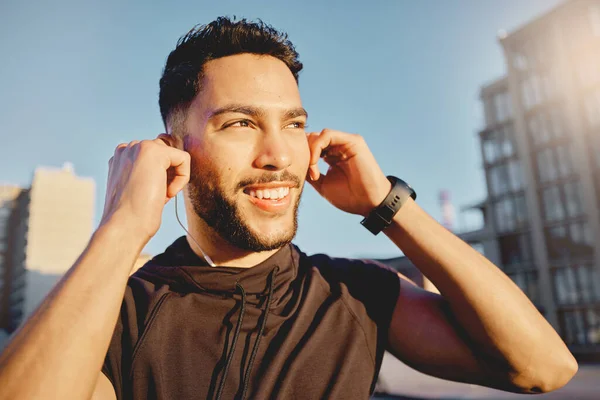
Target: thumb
x,y
316,183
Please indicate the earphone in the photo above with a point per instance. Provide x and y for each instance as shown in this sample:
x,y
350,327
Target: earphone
x,y
206,257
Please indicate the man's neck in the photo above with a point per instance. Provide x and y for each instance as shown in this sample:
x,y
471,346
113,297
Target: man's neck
x,y
224,254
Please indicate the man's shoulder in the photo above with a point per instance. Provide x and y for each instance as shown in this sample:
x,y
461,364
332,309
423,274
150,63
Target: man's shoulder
x,y
143,292
335,266
364,284
354,273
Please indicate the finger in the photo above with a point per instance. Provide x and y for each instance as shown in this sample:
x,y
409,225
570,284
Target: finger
x,y
320,146
334,156
313,167
162,141
120,148
179,167
317,144
132,144
317,183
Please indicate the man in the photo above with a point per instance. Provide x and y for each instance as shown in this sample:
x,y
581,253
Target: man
x,y
267,321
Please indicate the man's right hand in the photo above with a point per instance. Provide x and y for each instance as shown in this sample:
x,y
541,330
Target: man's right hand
x,y
142,177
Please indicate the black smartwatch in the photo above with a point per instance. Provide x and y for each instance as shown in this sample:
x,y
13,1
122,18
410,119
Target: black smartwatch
x,y
381,217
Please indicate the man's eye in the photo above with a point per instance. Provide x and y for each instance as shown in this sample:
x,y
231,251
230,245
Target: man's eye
x,y
239,124
297,125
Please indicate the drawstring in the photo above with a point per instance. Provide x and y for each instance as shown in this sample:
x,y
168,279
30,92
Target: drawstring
x,y
260,333
237,333
235,338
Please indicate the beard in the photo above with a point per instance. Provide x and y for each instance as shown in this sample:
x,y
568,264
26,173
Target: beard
x,y
223,215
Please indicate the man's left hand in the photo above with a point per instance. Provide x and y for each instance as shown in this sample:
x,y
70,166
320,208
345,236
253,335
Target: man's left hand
x,y
354,181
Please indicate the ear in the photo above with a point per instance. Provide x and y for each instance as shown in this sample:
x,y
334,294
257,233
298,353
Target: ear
x,y
168,139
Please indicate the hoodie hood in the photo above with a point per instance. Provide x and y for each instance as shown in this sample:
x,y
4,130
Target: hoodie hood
x,y
185,271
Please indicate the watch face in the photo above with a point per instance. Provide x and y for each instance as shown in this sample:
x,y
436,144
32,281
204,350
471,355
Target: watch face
x,y
412,192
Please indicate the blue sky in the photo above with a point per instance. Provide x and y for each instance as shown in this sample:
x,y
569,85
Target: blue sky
x,y
79,77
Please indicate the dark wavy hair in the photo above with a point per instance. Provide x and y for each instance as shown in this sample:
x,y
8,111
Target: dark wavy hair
x,y
182,75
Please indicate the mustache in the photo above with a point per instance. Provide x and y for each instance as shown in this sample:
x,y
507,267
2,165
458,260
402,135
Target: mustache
x,y
270,177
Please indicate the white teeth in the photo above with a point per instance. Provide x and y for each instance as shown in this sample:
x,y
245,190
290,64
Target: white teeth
x,y
273,194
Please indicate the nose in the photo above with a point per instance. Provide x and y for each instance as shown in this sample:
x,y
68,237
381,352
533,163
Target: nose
x,y
274,151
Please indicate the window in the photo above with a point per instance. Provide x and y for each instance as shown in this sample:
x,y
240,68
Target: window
x,y
498,177
505,220
515,175
515,249
521,211
553,207
574,327
547,170
573,200
579,284
4,212
565,286
489,150
554,163
520,61
506,145
505,178
581,326
556,242
570,242
510,213
562,201
593,323
545,125
581,243
498,144
535,89
538,128
502,107
588,291
564,161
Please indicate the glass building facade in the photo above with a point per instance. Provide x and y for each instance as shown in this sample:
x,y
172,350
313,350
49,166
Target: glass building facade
x,y
541,156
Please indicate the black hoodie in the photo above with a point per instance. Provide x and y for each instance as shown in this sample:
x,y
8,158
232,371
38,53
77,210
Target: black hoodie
x,y
292,326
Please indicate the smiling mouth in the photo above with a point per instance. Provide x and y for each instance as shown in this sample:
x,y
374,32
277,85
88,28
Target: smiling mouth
x,y
274,193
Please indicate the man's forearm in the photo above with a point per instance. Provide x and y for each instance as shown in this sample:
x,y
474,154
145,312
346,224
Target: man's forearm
x,y
493,311
58,352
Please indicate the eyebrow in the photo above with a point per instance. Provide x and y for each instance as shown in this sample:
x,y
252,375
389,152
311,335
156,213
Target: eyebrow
x,y
255,111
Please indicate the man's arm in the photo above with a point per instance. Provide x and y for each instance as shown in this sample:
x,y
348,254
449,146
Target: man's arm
x,y
58,352
482,328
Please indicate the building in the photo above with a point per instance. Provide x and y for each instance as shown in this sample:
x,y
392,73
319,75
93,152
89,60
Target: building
x,y
43,229
13,228
541,157
60,224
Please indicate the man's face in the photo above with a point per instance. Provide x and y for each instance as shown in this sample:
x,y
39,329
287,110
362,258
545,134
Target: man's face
x,y
245,134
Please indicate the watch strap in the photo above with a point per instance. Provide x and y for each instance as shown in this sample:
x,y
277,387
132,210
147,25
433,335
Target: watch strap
x,y
381,216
